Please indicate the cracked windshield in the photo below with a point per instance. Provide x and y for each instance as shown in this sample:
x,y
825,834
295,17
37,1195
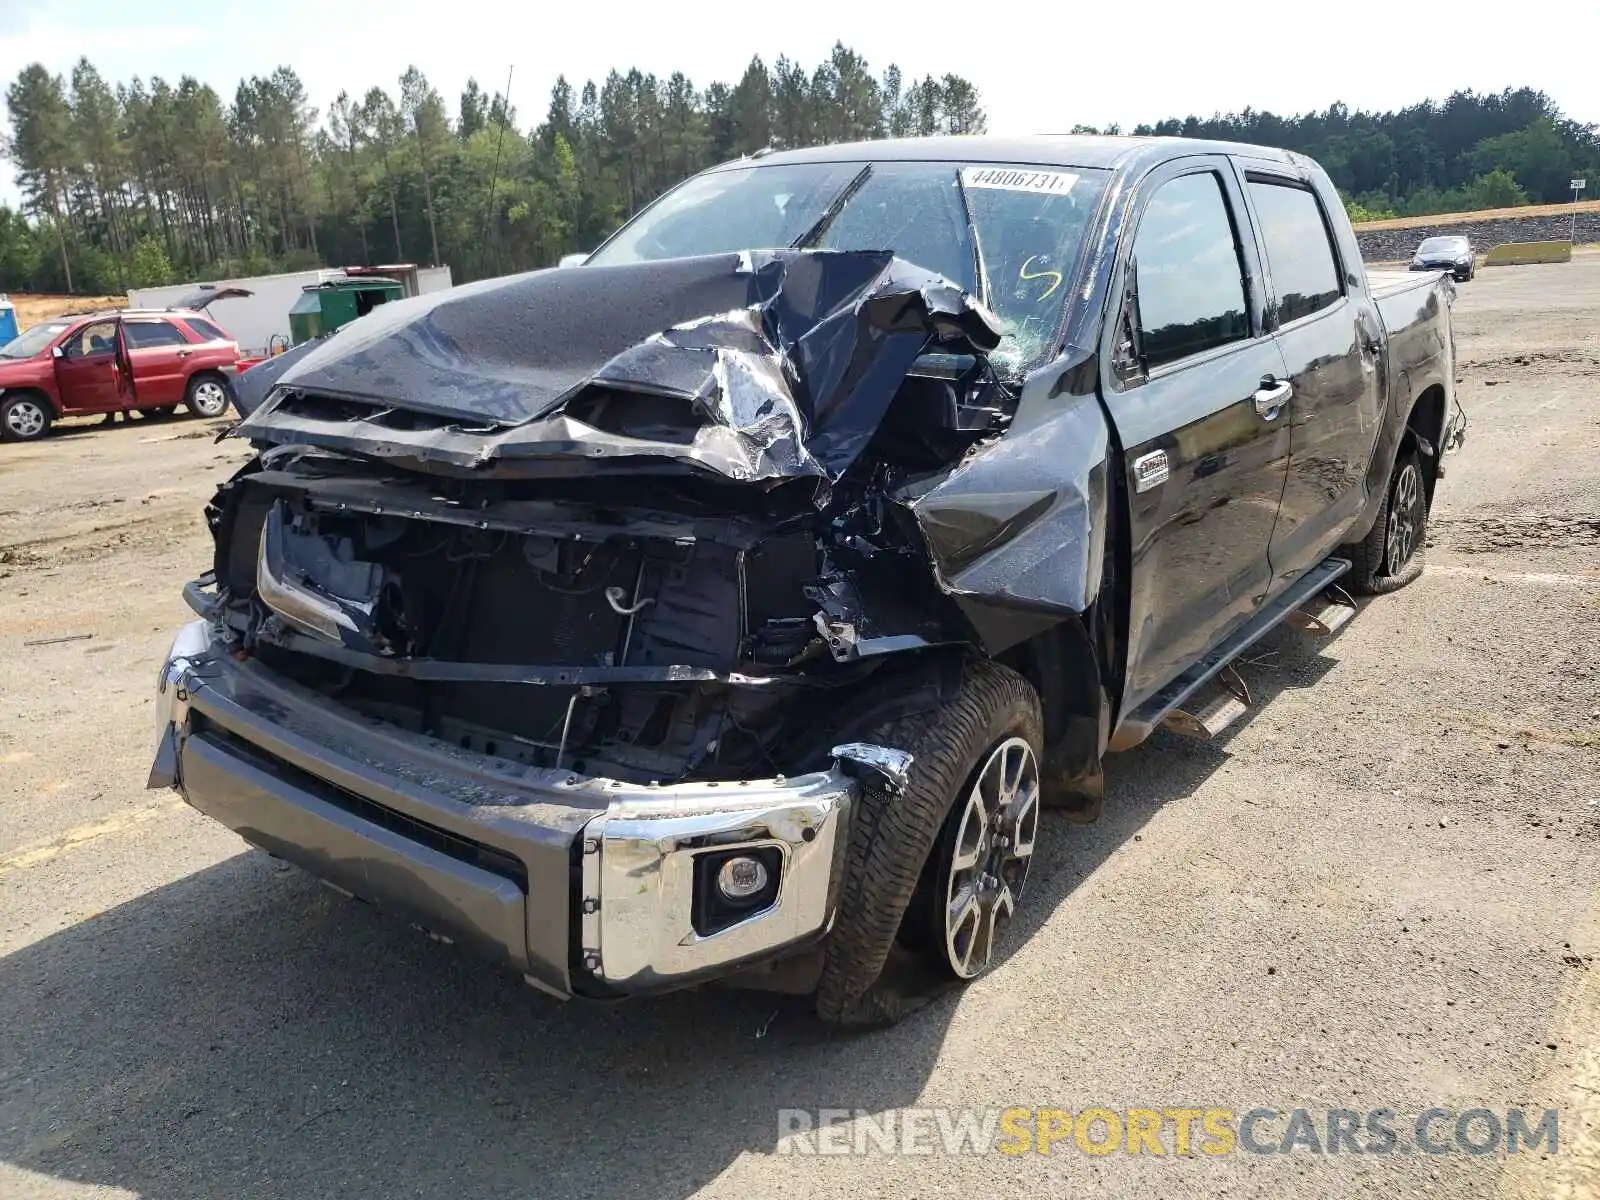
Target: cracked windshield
x,y
1010,234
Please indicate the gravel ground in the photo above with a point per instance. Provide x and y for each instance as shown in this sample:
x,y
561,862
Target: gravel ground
x,y
1376,892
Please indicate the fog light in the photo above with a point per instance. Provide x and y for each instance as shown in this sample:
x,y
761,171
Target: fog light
x,y
741,878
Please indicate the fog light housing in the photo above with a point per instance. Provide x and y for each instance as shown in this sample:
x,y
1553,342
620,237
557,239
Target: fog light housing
x,y
734,885
741,879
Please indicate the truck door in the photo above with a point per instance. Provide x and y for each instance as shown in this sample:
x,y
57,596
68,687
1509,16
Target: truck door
x,y
1196,400
1330,336
158,355
88,375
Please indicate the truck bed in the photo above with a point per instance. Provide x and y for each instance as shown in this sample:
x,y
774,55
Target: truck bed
x,y
1414,307
1385,284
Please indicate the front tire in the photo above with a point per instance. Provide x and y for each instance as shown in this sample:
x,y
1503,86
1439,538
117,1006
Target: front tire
x,y
207,396
940,866
980,862
1391,554
24,418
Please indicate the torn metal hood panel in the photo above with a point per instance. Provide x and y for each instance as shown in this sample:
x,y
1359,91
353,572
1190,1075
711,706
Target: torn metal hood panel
x,y
761,365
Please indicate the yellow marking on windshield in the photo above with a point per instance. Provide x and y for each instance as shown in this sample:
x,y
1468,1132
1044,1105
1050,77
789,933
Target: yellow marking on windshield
x,y
1045,274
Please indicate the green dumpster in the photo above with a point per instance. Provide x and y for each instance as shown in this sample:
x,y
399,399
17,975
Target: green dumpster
x,y
324,307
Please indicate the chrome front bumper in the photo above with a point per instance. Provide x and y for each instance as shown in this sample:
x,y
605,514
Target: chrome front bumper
x,y
484,849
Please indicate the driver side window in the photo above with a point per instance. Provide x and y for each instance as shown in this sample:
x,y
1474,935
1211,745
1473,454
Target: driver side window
x,y
1191,284
98,337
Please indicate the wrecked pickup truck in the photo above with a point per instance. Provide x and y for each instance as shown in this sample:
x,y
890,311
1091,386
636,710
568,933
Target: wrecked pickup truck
x,y
729,606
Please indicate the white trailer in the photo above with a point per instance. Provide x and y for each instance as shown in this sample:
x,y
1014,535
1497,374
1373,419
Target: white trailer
x,y
254,320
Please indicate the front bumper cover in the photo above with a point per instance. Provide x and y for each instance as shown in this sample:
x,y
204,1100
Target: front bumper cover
x,y
583,884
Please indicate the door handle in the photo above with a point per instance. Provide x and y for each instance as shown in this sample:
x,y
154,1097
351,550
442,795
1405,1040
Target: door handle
x,y
1272,396
185,353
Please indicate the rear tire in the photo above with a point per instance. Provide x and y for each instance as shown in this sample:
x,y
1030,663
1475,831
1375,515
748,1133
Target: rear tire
x,y
207,396
24,417
1390,556
904,849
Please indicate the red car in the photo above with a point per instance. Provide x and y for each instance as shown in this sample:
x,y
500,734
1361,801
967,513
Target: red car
x,y
148,361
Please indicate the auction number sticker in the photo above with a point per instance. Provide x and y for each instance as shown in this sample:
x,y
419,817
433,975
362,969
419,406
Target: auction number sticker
x,y
1010,179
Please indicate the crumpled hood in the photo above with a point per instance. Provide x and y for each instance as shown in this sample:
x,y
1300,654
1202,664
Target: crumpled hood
x,y
757,365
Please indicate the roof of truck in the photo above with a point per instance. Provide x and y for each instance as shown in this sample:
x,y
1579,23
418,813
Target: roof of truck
x,y
1063,150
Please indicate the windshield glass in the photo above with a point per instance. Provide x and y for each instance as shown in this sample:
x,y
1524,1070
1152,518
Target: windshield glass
x,y
30,343
1010,235
1437,245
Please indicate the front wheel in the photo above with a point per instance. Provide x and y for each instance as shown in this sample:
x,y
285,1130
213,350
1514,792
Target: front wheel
x,y
1391,554
980,862
24,419
207,396
935,873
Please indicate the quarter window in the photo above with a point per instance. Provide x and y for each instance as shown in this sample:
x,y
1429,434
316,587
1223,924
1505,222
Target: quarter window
x,y
206,330
142,335
1305,273
1191,285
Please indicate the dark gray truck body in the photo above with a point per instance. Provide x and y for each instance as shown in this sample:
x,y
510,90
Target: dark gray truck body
x,y
544,588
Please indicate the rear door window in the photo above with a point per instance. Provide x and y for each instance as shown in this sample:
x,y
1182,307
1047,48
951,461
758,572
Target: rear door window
x,y
1305,271
1190,281
142,335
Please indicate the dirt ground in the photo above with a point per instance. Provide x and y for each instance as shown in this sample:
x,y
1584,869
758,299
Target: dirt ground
x,y
1378,891
31,309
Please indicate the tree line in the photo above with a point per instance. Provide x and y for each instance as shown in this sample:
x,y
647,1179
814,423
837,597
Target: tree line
x,y
146,182
1471,151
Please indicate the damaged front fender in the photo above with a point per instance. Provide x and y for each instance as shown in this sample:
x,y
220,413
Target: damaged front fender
x,y
1017,532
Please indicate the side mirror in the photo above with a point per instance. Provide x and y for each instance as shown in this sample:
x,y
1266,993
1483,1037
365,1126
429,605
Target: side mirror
x,y
572,260
57,352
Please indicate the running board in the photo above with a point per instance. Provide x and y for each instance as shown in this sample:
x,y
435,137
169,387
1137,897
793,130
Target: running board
x,y
1325,615
1300,604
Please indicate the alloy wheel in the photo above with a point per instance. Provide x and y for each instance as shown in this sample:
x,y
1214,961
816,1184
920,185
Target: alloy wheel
x,y
210,400
25,418
1405,518
993,848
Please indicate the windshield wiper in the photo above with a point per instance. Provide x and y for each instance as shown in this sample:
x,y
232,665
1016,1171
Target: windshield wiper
x,y
812,236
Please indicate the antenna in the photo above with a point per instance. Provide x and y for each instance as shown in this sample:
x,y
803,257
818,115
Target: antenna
x,y
494,178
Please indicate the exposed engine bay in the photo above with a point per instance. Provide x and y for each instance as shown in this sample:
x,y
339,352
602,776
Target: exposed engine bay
x,y
698,519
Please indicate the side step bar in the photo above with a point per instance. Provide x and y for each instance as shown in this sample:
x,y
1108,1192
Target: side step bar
x,y
1301,605
1325,615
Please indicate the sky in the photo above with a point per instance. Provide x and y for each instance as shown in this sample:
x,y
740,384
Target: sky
x,y
1039,67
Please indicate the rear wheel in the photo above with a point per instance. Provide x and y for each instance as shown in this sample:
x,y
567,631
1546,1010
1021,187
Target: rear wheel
x,y
24,418
207,396
935,872
1391,554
